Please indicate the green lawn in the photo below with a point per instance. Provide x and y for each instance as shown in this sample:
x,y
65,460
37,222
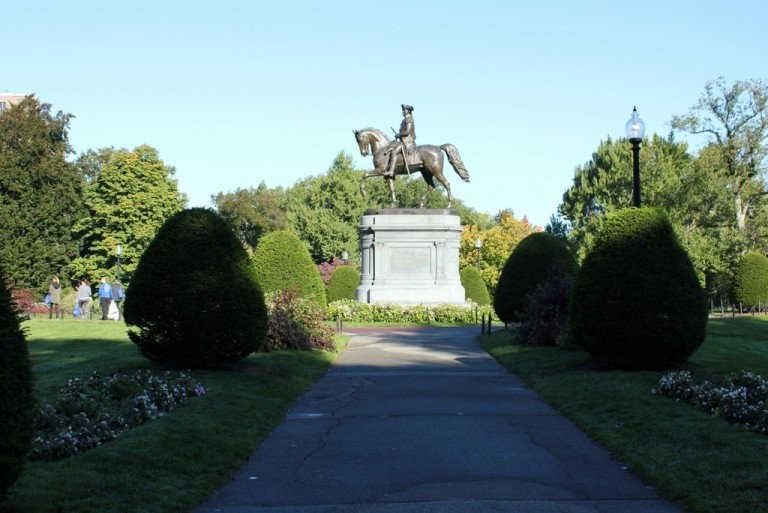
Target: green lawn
x,y
697,460
167,465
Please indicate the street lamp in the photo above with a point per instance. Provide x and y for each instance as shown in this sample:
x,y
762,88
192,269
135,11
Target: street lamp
x,y
118,252
478,247
635,129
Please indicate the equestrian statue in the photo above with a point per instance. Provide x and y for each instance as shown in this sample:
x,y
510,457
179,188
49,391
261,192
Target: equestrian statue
x,y
403,157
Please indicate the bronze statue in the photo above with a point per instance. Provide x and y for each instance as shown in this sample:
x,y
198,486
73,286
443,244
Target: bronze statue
x,y
404,157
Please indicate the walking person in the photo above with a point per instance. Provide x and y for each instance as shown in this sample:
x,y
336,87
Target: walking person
x,y
117,297
105,297
54,290
84,298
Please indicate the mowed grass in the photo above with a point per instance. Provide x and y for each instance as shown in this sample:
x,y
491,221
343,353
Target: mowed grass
x,y
699,461
167,465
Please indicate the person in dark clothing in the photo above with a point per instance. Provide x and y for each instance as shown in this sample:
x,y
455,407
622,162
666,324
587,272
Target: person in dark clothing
x,y
54,290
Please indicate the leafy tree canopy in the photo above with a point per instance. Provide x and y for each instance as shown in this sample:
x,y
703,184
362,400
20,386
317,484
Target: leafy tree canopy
x,y
128,198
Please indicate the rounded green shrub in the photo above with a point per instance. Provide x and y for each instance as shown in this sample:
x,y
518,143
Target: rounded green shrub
x,y
16,400
282,262
343,283
750,280
529,265
637,302
194,300
474,286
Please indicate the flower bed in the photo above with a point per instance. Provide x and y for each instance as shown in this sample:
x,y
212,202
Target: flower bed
x,y
741,399
88,413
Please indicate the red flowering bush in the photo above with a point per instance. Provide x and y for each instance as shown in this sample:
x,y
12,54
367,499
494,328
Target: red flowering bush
x,y
296,323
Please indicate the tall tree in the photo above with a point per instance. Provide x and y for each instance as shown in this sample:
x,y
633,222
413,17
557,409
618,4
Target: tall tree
x,y
326,209
604,184
131,195
734,118
39,194
253,212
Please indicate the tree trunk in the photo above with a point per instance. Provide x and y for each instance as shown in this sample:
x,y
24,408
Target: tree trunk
x,y
741,211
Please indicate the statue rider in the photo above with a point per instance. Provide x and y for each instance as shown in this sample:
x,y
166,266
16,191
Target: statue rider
x,y
406,143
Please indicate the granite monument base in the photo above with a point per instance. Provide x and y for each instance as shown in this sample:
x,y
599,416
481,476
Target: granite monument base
x,y
410,257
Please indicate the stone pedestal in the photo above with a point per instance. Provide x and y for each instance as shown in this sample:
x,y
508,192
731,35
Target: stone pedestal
x,y
410,257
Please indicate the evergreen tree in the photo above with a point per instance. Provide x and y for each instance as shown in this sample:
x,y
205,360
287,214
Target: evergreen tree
x,y
16,398
40,194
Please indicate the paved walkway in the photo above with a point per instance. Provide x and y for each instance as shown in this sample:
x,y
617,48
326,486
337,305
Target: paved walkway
x,y
424,420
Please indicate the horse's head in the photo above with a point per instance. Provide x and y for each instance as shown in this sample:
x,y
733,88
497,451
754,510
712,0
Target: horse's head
x,y
370,140
362,143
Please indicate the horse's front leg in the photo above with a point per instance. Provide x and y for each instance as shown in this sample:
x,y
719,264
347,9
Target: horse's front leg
x,y
391,184
365,177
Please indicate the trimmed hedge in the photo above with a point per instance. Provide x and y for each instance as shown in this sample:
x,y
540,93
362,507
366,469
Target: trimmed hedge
x,y
357,311
194,300
637,302
474,286
16,399
343,283
282,263
529,265
750,280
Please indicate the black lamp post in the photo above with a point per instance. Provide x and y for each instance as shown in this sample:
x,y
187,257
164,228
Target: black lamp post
x,y
478,247
118,252
635,129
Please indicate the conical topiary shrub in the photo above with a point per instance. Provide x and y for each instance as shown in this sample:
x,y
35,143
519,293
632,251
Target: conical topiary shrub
x,y
750,280
343,283
474,286
194,300
529,265
16,400
637,302
283,263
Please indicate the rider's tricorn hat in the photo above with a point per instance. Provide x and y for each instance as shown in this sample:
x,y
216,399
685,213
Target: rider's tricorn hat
x,y
407,107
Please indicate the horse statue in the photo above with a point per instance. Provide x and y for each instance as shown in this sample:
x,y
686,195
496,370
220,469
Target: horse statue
x,y
428,160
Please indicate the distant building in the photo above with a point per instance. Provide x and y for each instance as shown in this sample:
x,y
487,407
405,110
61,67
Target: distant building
x,y
8,99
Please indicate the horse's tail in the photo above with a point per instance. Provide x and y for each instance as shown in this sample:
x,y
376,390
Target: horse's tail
x,y
455,160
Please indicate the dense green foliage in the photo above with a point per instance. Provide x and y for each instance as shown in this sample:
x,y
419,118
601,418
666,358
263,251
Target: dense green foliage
x,y
474,286
253,212
637,303
40,195
129,195
533,260
750,280
282,263
194,300
343,283
15,393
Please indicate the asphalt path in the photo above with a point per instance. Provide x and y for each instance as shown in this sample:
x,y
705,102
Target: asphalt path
x,y
424,420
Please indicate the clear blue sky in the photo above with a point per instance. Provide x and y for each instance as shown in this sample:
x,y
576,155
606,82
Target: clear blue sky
x,y
233,93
